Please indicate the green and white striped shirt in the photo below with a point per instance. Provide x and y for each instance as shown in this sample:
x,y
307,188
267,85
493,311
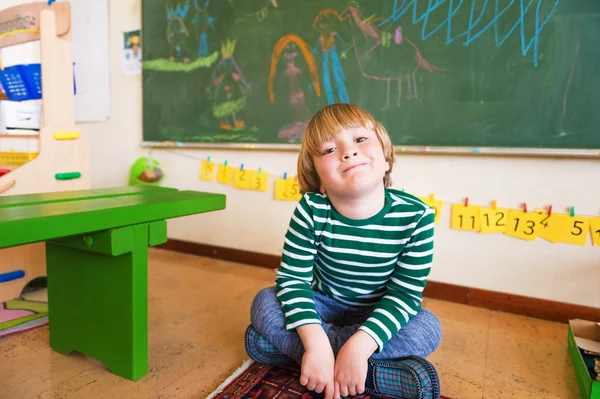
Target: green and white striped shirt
x,y
382,261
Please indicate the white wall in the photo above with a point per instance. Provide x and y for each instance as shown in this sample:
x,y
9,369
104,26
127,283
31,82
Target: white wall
x,y
120,137
559,272
255,222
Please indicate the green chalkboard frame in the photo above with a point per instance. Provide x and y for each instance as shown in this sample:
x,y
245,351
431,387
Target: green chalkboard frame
x,y
567,26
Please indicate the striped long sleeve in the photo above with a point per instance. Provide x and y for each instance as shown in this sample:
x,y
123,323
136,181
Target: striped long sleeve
x,y
404,294
295,274
381,262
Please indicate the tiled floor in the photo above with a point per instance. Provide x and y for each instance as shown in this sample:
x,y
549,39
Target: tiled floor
x,y
198,312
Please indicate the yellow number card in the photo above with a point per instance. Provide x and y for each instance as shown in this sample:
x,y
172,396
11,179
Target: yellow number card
x,y
287,189
435,204
465,217
224,174
578,228
293,189
241,178
493,220
259,181
522,224
207,170
551,227
595,231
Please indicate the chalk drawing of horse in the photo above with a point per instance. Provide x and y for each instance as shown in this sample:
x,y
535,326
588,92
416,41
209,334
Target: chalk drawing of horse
x,y
371,45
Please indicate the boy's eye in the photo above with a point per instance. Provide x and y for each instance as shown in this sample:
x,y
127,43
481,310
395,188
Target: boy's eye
x,y
328,151
361,139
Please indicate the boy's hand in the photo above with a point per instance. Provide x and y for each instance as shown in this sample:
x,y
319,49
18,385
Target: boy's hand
x,y
351,364
318,360
317,371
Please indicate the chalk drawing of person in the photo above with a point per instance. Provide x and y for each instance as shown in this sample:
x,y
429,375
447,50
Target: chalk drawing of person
x,y
230,90
288,48
204,23
324,23
177,32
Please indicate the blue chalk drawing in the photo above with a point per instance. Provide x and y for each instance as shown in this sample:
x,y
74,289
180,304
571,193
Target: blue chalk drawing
x,y
330,58
527,9
204,23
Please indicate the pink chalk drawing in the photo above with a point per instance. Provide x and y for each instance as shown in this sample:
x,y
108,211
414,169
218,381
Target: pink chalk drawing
x,y
367,39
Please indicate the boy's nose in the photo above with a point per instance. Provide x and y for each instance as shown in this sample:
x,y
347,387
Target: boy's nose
x,y
350,154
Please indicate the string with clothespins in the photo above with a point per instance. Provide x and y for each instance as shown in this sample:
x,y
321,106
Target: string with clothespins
x,y
431,198
226,163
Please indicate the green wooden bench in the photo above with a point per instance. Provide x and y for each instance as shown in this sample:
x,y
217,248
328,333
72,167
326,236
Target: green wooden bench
x,y
97,263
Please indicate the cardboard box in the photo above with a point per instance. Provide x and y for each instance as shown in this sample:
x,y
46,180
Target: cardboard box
x,y
585,335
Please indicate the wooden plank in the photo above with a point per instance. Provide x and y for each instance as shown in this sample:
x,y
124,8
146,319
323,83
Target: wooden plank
x,y
33,223
114,242
74,195
58,100
21,24
7,186
20,136
157,233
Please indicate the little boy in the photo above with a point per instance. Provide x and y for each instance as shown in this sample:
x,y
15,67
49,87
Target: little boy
x,y
346,304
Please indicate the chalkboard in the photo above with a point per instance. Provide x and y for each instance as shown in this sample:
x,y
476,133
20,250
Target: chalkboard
x,y
466,73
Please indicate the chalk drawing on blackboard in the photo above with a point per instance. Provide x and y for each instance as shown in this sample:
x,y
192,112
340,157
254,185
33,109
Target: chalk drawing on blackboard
x,y
169,66
288,48
531,13
367,38
331,66
564,107
177,31
204,24
264,11
178,35
230,90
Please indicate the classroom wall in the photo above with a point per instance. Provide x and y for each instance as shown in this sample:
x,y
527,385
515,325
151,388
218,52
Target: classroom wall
x,y
559,272
255,222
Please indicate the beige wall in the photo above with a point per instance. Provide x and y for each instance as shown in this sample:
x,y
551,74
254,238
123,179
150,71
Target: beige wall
x,y
252,221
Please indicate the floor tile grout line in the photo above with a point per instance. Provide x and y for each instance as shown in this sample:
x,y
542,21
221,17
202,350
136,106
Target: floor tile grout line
x,y
485,361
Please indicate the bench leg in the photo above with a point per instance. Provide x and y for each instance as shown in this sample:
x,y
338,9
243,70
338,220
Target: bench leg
x,y
98,304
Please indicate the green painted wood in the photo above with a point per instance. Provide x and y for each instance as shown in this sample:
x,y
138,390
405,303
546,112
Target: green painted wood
x,y
97,263
157,233
112,242
98,305
62,196
67,175
33,223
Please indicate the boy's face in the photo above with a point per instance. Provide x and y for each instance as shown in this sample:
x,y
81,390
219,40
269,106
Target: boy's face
x,y
352,163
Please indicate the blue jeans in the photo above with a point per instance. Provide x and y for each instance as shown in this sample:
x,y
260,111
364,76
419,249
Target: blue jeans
x,y
419,337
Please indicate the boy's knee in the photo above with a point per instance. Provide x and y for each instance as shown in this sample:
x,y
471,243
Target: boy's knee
x,y
265,303
431,326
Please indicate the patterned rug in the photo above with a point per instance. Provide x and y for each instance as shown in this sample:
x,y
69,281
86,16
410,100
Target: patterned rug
x,y
258,381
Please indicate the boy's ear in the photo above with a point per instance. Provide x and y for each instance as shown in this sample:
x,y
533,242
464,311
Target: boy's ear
x,y
387,166
322,190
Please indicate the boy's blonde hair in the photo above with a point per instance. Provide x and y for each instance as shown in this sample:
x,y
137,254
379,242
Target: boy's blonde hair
x,y
324,126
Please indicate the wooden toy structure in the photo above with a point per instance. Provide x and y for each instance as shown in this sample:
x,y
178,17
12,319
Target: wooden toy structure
x,y
62,161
